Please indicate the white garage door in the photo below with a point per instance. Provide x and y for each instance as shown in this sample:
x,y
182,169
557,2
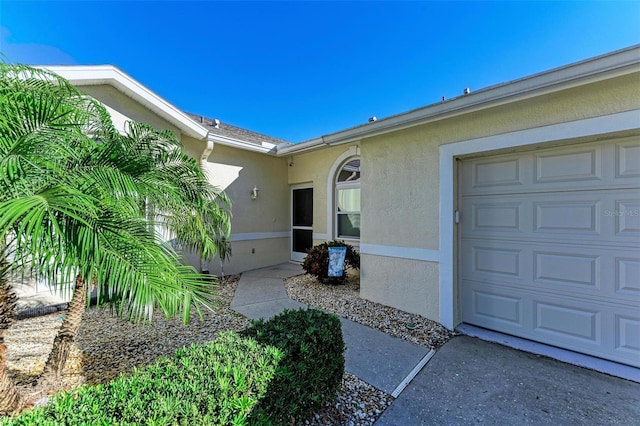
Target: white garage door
x,y
550,246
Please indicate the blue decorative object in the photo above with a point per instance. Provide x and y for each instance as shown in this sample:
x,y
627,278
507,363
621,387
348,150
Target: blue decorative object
x,y
336,261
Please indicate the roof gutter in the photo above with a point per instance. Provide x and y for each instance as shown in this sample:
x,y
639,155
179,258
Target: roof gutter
x,y
310,145
208,149
286,148
265,148
615,64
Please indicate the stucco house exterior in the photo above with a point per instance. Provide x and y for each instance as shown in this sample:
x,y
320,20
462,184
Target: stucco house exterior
x,y
514,209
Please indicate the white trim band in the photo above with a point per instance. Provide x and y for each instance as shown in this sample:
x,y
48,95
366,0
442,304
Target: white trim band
x,y
258,236
427,255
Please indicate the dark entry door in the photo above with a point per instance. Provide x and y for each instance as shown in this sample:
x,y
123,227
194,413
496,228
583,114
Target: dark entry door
x,y
301,222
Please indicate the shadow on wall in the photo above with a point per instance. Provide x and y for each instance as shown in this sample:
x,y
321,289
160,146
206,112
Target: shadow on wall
x,y
260,219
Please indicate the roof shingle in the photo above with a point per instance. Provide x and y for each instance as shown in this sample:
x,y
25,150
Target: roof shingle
x,y
233,132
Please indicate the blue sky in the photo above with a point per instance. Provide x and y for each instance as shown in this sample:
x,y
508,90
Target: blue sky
x,y
299,70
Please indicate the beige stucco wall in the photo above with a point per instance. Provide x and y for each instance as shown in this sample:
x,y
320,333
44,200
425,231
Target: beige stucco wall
x,y
401,178
400,186
400,209
407,284
593,100
262,225
313,169
123,108
400,191
260,228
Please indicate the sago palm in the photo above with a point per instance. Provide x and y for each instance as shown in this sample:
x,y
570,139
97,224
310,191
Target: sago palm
x,y
82,204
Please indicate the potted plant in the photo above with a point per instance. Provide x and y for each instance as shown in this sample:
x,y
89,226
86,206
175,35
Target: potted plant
x,y
329,261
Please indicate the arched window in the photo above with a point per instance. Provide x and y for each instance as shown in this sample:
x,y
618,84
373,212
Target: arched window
x,y
347,201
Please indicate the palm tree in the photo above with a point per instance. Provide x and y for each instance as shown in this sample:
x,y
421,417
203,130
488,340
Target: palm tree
x,y
10,397
22,95
82,203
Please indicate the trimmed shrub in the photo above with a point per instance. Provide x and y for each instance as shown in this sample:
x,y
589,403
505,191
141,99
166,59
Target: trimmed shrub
x,y
317,261
311,371
219,383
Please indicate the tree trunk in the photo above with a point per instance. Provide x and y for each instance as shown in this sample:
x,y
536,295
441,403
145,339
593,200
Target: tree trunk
x,y
66,336
11,400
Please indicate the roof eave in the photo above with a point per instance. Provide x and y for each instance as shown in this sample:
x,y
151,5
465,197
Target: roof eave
x,y
618,63
109,75
247,146
287,149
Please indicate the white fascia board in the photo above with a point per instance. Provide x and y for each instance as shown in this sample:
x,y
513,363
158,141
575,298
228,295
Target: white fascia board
x,y
109,75
264,148
285,148
611,65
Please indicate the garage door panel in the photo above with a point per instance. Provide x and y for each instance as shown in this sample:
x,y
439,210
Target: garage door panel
x,y
564,322
580,216
497,307
562,269
550,244
567,322
628,159
627,335
627,218
627,276
488,306
561,166
590,166
497,216
494,261
500,261
506,172
574,217
588,327
526,313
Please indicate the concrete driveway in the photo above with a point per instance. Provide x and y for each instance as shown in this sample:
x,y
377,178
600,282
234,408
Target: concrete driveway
x,y
471,381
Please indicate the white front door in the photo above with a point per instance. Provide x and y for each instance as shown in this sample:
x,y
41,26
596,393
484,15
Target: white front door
x,y
301,222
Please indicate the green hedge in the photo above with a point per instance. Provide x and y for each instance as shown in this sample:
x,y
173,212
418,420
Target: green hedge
x,y
311,371
214,384
275,371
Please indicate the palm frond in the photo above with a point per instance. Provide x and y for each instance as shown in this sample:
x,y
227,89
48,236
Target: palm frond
x,y
79,198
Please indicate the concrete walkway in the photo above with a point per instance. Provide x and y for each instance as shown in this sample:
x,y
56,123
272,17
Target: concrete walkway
x,y
467,381
373,356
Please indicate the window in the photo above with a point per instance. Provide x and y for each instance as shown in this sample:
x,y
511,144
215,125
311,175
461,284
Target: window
x,y
348,200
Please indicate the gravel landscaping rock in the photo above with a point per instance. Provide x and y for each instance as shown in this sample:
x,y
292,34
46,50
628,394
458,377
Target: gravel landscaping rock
x,y
344,300
108,346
